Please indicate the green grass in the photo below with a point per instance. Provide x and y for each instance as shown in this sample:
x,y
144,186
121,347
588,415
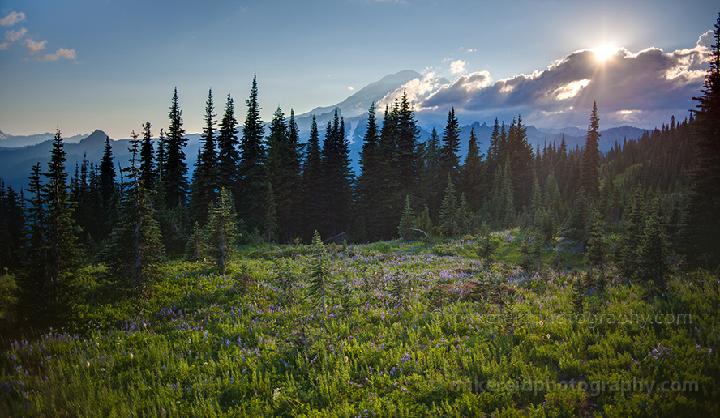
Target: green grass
x,y
413,329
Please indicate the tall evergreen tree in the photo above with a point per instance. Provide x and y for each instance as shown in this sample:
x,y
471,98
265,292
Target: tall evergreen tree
x,y
369,182
108,194
283,172
312,183
407,220
62,251
252,164
221,229
472,174
703,222
136,243
337,178
591,156
228,155
448,211
175,172
450,161
147,165
407,132
205,177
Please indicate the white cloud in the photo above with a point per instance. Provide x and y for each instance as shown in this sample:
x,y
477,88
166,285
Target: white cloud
x,y
12,18
351,88
65,53
651,83
457,67
15,35
34,47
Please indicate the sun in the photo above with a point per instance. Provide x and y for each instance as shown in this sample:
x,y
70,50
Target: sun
x,y
604,52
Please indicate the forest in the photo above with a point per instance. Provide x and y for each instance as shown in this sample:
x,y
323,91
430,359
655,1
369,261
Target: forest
x,y
271,279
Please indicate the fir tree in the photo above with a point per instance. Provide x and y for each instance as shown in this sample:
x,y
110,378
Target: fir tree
x,y
406,131
312,179
591,156
652,251
147,166
448,210
319,272
472,174
449,160
108,194
175,170
369,182
703,223
204,185
270,224
252,164
221,229
283,172
337,178
407,220
62,251
136,242
228,156
596,251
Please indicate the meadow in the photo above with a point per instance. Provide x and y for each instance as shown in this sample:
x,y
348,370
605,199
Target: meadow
x,y
403,329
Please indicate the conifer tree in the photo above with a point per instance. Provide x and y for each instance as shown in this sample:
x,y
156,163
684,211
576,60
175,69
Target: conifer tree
x,y
369,182
591,156
423,222
449,160
252,164
406,131
221,229
633,228
312,183
136,242
596,245
652,250
463,217
472,174
270,224
228,156
147,166
431,183
448,210
391,199
703,223
283,173
319,272
62,251
175,170
108,194
205,177
337,178
407,220
37,286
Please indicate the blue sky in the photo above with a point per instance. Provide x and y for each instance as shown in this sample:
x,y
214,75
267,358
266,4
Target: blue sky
x,y
129,54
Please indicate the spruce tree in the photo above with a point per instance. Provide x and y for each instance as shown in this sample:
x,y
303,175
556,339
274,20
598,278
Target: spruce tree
x,y
369,182
147,165
472,174
270,224
62,251
652,251
407,220
175,170
432,184
136,242
595,251
228,155
108,194
252,164
283,172
703,223
337,178
591,156
312,183
407,132
448,211
204,184
449,160
221,230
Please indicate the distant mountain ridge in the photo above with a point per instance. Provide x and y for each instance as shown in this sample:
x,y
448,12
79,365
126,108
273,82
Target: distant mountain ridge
x,y
19,152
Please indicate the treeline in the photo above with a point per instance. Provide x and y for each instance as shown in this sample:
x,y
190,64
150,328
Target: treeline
x,y
645,204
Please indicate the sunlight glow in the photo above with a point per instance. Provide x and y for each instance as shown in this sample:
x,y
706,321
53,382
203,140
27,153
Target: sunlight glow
x,y
604,52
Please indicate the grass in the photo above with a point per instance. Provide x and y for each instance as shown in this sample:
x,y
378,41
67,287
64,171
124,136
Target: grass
x,y
412,329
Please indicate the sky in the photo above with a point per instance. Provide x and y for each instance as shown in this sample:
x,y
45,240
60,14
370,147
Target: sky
x,y
81,65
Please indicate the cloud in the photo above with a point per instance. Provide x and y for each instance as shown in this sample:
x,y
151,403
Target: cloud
x,y
12,18
457,67
65,53
351,88
34,47
646,86
12,36
15,35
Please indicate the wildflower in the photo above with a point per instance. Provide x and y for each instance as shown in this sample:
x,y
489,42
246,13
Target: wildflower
x,y
405,358
547,336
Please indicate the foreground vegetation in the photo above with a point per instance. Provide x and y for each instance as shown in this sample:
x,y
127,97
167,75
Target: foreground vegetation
x,y
414,329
